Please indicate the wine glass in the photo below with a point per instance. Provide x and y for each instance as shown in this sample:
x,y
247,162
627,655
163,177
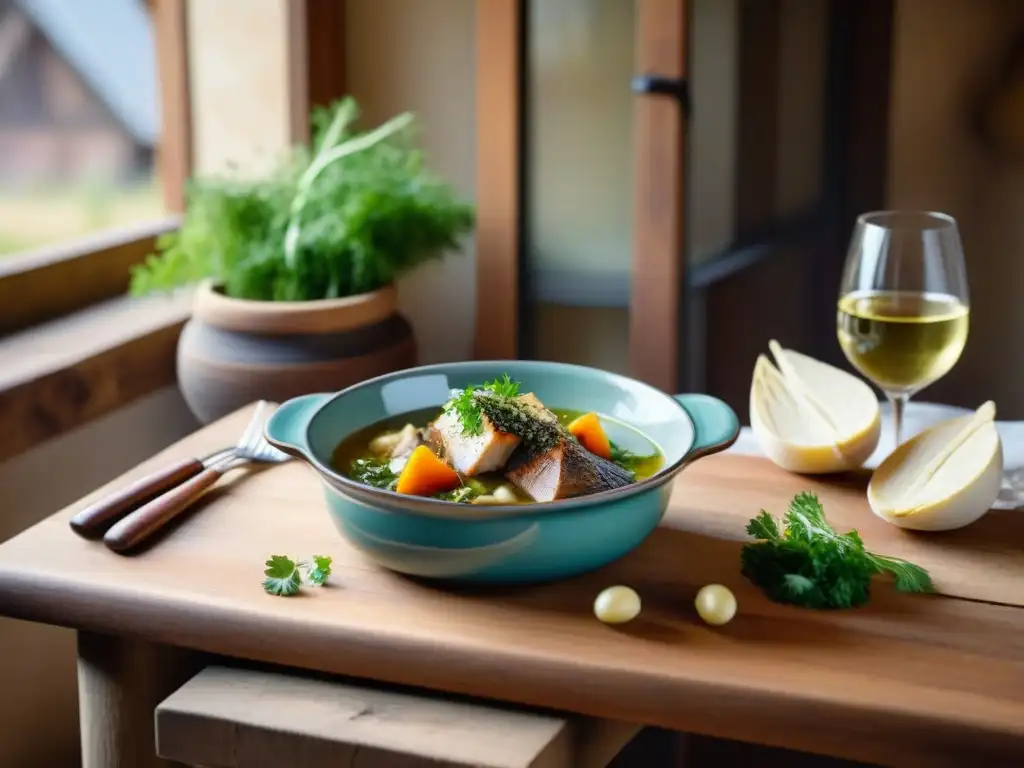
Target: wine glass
x,y
903,310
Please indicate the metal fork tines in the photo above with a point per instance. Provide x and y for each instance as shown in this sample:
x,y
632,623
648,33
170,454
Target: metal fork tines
x,y
151,517
252,446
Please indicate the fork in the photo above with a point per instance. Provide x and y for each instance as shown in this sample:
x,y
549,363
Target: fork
x,y
136,527
94,520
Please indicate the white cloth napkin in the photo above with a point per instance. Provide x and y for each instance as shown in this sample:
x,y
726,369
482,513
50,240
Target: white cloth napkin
x,y
918,417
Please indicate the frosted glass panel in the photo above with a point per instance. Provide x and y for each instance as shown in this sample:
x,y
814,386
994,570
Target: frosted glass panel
x,y
594,336
711,170
579,182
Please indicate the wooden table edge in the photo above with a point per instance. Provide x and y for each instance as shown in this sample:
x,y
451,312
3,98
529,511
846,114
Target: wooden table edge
x,y
719,709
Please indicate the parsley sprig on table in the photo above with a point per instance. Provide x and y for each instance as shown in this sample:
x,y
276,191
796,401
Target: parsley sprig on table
x,y
283,575
465,404
806,563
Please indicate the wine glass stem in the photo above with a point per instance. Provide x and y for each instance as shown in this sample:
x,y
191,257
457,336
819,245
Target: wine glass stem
x,y
899,403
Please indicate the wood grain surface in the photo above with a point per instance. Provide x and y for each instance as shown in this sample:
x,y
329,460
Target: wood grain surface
x,y
659,232
908,680
499,151
56,280
242,718
63,374
120,682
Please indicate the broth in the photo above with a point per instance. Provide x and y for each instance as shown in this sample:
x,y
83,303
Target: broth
x,y
356,458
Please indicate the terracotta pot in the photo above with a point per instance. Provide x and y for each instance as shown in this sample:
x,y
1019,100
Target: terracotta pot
x,y
235,351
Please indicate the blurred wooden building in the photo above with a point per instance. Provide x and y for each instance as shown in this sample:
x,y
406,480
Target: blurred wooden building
x,y
78,97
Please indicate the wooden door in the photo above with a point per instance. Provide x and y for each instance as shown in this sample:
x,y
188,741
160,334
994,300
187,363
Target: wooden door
x,y
664,185
655,318
580,183
788,143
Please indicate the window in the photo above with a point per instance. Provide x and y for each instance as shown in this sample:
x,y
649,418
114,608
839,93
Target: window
x,y
79,120
97,100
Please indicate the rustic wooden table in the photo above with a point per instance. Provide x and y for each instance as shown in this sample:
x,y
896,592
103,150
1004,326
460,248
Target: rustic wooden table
x,y
936,680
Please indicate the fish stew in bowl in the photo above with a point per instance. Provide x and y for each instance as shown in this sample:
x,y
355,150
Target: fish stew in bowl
x,y
491,444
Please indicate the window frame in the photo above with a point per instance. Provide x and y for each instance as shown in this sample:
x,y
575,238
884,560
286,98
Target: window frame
x,y
49,282
75,346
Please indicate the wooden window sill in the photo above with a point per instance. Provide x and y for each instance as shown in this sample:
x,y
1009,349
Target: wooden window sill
x,y
59,375
54,281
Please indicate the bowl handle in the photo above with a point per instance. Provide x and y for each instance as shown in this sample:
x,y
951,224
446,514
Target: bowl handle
x,y
715,424
286,428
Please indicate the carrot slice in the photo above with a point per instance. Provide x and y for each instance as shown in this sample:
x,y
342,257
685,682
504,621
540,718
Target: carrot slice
x,y
424,474
588,430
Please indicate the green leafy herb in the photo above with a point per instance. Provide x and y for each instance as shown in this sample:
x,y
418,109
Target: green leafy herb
x,y
503,387
467,407
375,473
461,495
283,577
805,562
467,410
345,215
319,570
626,459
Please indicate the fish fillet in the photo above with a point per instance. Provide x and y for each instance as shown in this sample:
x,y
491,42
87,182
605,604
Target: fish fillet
x,y
566,470
471,454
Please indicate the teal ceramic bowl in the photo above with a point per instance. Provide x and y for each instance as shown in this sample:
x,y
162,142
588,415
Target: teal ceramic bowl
x,y
435,539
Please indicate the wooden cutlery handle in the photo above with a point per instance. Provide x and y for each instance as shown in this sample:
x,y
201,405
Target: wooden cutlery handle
x,y
95,519
148,519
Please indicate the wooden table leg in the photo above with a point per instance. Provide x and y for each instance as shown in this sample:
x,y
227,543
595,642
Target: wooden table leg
x,y
120,682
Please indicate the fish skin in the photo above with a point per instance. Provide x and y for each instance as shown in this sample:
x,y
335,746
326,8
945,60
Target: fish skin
x,y
564,471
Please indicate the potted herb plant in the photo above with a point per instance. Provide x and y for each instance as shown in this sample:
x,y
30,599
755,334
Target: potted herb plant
x,y
296,268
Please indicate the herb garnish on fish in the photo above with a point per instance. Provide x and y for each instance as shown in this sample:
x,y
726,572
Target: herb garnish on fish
x,y
499,401
467,407
539,430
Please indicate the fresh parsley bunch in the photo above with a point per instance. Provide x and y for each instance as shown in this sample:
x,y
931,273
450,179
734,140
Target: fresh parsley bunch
x,y
807,563
345,215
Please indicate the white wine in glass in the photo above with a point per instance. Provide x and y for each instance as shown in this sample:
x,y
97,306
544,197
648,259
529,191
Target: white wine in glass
x,y
903,308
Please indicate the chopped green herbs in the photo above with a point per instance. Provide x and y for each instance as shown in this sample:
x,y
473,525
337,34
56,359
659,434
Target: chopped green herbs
x,y
628,460
461,495
469,409
468,412
375,473
539,430
282,575
503,387
807,563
